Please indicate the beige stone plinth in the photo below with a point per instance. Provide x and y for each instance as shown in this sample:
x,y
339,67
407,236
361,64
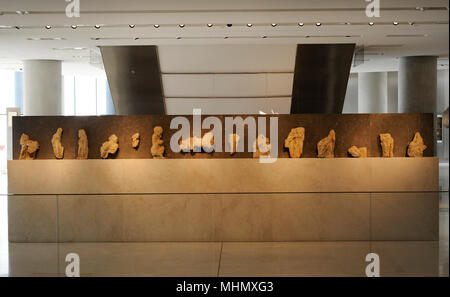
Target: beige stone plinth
x,y
151,176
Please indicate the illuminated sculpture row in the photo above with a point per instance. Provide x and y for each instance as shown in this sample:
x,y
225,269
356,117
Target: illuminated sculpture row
x,y
261,146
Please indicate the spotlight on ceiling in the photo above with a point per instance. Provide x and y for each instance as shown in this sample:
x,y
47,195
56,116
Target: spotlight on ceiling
x,y
229,25
17,27
22,12
249,25
209,25
48,27
371,23
136,38
97,26
226,37
181,25
131,26
395,23
411,23
420,8
156,26
301,24
318,24
273,25
347,23
74,26
263,36
178,37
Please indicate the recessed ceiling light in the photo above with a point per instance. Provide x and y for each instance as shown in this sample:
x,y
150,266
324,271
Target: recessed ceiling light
x,y
48,27
420,8
131,26
17,27
273,25
226,37
318,24
395,23
411,23
347,23
181,25
95,38
156,26
300,24
307,36
74,26
178,37
97,26
263,36
68,48
229,25
136,38
209,25
249,25
22,12
45,38
371,23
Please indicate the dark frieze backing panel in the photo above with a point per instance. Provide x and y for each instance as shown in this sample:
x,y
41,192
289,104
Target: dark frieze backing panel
x,y
351,129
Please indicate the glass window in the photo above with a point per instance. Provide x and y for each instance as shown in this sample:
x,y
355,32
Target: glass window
x,y
101,96
85,95
7,90
69,95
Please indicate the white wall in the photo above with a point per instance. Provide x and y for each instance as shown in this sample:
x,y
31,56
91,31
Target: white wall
x,y
227,79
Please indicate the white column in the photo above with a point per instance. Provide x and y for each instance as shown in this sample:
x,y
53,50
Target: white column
x,y
42,83
372,92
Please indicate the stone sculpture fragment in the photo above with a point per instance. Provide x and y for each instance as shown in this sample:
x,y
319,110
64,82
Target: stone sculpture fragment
x,y
387,145
135,139
83,149
109,147
233,140
28,148
58,149
261,146
325,147
416,146
358,152
157,149
294,142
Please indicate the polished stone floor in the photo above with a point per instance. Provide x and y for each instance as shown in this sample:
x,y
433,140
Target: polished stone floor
x,y
403,258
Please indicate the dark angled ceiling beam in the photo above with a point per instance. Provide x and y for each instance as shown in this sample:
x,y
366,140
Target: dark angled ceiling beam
x,y
321,77
134,78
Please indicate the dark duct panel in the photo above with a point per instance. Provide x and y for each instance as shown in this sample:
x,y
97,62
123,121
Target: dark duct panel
x,y
134,79
320,77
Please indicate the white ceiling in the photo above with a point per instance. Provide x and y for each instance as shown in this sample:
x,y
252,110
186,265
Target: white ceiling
x,y
384,42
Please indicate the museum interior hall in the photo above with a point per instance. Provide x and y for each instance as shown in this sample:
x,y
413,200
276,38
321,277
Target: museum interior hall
x,y
236,138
